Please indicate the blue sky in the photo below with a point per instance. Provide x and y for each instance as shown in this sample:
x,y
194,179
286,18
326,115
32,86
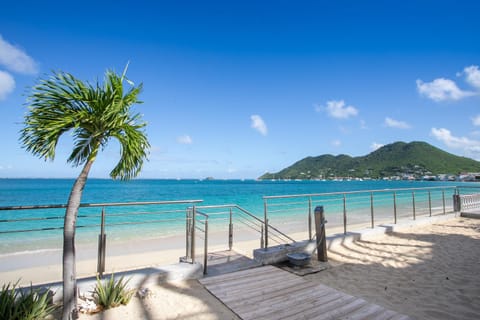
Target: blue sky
x,y
236,89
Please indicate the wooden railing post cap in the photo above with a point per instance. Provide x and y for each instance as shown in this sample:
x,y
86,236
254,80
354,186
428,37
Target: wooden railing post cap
x,y
318,209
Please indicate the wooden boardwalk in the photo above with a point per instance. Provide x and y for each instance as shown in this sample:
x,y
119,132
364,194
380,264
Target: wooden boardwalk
x,y
271,293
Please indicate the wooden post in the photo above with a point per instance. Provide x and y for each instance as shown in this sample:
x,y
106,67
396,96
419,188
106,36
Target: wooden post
x,y
456,203
320,231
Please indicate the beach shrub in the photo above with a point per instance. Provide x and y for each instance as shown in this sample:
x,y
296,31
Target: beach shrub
x,y
111,293
24,305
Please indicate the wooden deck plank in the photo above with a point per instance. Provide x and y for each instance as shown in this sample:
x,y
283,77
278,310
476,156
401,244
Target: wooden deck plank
x,y
267,293
367,312
348,309
270,293
235,275
315,307
293,312
249,284
278,304
384,314
327,308
245,281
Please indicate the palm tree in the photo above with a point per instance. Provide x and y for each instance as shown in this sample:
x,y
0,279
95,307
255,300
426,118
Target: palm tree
x,y
94,114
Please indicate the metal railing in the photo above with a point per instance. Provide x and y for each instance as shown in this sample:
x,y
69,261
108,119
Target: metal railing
x,y
344,209
195,221
218,216
51,220
360,208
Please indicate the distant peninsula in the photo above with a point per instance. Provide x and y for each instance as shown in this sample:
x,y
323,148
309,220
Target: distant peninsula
x,y
396,161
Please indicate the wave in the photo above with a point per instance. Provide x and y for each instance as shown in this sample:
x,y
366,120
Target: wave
x,y
28,252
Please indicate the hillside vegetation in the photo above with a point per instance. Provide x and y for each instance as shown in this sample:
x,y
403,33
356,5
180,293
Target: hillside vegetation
x,y
396,159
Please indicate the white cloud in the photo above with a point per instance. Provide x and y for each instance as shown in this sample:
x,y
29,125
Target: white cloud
x,y
374,146
441,89
338,109
444,135
185,139
336,143
392,123
7,84
15,59
258,124
473,76
476,120
363,124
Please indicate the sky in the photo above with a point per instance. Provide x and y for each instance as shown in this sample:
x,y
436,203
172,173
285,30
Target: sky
x,y
234,89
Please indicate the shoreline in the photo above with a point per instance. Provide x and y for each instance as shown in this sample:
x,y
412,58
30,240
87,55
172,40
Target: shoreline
x,y
131,254
427,269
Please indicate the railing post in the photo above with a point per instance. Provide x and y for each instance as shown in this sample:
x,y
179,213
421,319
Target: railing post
x,y
443,200
192,234
371,210
265,217
344,214
102,243
262,241
413,204
230,232
394,207
205,249
188,227
309,218
320,231
456,203
429,203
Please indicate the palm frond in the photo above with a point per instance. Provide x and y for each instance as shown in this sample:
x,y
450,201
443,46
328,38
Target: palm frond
x,y
94,113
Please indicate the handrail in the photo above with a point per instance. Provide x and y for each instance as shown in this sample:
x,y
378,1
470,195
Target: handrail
x,y
163,214
356,191
363,200
106,204
246,218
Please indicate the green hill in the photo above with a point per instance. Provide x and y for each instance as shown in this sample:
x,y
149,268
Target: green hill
x,y
396,159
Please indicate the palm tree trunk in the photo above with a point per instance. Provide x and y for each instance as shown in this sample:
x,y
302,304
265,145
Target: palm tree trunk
x,y
69,265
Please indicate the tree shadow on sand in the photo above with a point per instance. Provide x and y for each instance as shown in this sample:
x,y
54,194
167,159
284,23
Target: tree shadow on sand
x,y
424,275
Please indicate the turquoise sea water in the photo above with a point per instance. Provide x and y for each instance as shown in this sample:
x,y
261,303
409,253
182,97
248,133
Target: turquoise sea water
x,y
247,194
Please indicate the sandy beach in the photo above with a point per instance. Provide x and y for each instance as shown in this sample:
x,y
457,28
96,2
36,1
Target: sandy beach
x,y
428,271
424,270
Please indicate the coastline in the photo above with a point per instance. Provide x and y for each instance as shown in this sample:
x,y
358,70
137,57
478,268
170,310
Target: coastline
x,y
426,269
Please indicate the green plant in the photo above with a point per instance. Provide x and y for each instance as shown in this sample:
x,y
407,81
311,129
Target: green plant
x,y
110,293
24,305
93,114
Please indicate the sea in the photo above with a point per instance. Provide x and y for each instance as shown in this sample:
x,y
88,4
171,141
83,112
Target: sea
x,y
23,230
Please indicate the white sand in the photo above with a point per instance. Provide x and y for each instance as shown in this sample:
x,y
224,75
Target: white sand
x,y
428,271
170,300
